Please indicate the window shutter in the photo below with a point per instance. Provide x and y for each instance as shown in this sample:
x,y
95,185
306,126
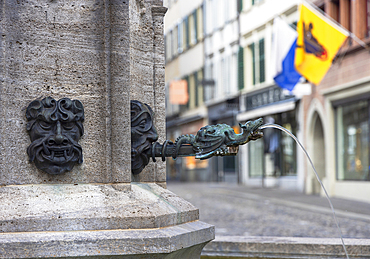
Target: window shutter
x,y
187,106
262,60
240,6
195,26
196,97
187,34
253,63
241,68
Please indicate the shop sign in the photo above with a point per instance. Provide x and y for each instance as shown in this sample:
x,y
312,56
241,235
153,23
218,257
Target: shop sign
x,y
265,97
179,92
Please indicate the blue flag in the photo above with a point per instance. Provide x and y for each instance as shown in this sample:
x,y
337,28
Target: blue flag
x,y
284,42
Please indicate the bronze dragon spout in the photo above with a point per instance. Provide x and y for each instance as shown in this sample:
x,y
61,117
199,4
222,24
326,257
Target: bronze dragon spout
x,y
211,140
219,140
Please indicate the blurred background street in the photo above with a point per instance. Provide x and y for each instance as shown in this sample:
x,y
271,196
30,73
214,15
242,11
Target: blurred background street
x,y
232,61
238,210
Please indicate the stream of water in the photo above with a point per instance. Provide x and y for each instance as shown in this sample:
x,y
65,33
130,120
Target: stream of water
x,y
317,176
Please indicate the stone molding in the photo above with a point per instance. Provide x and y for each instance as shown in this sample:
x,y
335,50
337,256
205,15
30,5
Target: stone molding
x,y
186,240
159,10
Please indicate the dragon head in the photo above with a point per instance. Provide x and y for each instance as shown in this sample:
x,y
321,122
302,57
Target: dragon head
x,y
252,127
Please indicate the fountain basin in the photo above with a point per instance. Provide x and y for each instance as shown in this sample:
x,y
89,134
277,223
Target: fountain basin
x,y
284,247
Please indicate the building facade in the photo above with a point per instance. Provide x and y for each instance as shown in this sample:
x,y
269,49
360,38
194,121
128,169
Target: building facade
x,y
235,84
273,160
184,40
336,114
221,50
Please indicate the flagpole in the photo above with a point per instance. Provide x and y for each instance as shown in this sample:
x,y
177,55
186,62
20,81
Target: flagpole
x,y
350,34
363,44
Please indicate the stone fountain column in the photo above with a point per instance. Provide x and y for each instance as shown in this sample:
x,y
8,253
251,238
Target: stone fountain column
x,y
104,54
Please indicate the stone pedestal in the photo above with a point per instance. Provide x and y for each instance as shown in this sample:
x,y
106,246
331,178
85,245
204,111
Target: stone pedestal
x,y
84,220
103,53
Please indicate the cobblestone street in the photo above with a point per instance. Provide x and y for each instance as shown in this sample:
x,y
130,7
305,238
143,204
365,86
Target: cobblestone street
x,y
242,211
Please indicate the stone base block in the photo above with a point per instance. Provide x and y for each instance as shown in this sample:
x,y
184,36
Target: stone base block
x,y
69,207
138,220
183,241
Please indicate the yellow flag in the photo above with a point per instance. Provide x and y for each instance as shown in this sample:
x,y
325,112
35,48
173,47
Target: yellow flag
x,y
319,40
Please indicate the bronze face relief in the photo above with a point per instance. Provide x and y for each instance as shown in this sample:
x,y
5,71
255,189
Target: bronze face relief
x,y
143,134
55,128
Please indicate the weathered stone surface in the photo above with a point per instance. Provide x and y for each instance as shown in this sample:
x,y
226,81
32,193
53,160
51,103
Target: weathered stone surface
x,y
147,73
286,247
91,207
159,85
79,50
183,241
103,53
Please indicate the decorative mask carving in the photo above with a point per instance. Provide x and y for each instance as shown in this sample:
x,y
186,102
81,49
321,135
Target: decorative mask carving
x,y
55,128
143,134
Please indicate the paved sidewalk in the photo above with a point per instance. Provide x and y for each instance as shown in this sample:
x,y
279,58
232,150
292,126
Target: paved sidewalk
x,y
244,211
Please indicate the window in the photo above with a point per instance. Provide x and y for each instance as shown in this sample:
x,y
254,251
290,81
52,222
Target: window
x,y
209,85
185,30
190,30
215,14
233,77
226,10
345,11
334,9
180,40
185,107
199,23
193,29
195,90
289,159
251,50
256,1
174,42
224,82
200,90
352,15
227,76
276,154
255,158
352,141
168,46
192,91
229,164
360,19
171,44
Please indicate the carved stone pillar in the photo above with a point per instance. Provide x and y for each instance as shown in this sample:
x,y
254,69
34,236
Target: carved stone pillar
x,y
103,54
